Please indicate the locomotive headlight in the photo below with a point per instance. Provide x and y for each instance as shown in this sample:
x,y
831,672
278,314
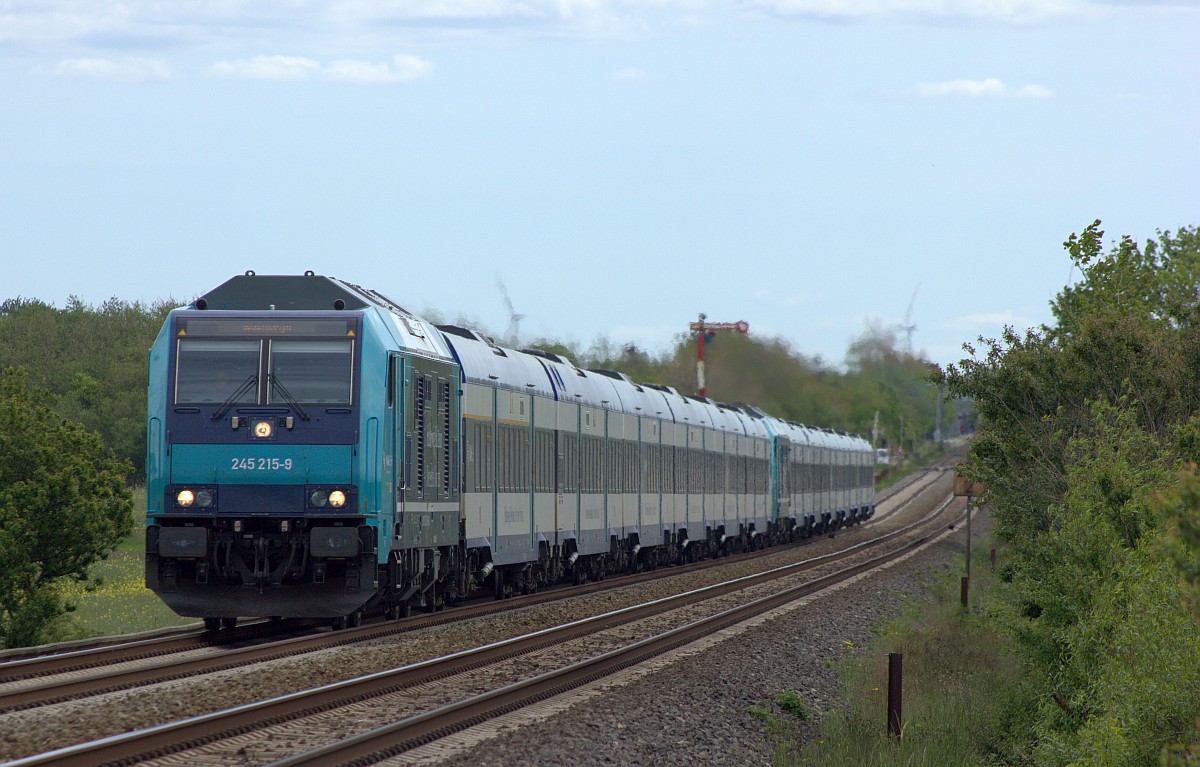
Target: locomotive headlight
x,y
204,498
318,498
185,498
337,499
262,429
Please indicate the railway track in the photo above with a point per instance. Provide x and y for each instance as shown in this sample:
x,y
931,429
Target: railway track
x,y
57,677
121,650
391,691
393,739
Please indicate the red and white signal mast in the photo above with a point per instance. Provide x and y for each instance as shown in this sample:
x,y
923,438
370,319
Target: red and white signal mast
x,y
705,331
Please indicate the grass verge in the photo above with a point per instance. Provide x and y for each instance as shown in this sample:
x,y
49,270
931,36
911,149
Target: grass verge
x,y
116,600
959,677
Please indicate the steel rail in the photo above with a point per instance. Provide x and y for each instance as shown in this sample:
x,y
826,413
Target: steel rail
x,y
75,660
37,652
409,733
172,737
27,662
128,649
171,668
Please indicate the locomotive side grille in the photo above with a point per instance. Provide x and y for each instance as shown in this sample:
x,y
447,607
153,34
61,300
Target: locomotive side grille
x,y
444,403
419,458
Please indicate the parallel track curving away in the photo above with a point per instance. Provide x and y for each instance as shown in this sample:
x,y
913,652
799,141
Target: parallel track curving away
x,y
414,730
390,740
124,665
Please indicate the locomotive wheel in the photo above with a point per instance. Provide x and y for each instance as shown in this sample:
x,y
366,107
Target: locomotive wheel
x,y
400,611
354,619
212,624
228,623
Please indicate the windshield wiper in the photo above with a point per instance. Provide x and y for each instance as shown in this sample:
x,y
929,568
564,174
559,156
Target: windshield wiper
x,y
248,384
287,396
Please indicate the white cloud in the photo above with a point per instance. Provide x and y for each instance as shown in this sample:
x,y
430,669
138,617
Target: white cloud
x,y
1004,11
632,73
267,68
320,28
401,68
107,69
1033,91
360,28
989,88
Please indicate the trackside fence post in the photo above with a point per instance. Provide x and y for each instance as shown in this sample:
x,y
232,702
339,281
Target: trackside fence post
x,y
895,692
964,487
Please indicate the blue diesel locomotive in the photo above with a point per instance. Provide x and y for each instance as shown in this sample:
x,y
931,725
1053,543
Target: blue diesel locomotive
x,y
317,451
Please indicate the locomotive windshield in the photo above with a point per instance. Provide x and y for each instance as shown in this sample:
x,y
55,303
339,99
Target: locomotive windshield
x,y
214,371
267,369
311,371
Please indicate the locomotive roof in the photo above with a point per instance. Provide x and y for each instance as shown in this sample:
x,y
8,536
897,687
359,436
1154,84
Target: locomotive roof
x,y
314,292
309,291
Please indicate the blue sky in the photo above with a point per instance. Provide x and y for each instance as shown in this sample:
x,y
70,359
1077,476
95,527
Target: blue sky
x,y
619,165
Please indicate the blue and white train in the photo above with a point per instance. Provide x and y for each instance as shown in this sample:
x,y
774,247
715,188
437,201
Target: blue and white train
x,y
315,450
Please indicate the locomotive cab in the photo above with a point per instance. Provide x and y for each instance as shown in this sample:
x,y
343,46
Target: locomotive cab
x,y
253,484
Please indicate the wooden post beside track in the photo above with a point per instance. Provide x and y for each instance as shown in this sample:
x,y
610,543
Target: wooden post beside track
x,y
895,693
965,487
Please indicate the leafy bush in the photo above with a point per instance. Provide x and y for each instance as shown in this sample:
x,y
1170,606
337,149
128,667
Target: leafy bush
x,y
90,360
1085,428
63,506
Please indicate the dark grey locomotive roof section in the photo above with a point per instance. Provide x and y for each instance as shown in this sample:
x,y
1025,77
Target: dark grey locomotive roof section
x,y
283,292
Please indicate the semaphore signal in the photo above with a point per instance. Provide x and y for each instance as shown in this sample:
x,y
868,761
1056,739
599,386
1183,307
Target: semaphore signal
x,y
705,332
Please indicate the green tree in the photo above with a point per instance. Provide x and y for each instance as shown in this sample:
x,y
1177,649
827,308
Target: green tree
x,y
1122,330
63,506
1083,425
769,373
893,382
92,360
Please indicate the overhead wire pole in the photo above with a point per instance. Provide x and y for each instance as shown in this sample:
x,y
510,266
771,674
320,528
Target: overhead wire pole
x,y
704,331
